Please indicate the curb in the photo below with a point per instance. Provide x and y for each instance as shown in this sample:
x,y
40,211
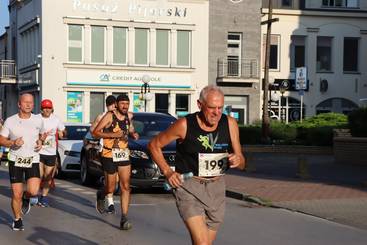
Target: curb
x,y
248,198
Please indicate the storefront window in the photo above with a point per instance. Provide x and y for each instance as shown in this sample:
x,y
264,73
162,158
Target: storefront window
x,y
97,105
75,107
182,104
119,45
98,44
141,46
162,45
161,103
75,43
183,48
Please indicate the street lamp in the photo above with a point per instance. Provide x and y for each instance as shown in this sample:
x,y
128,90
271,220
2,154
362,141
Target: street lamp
x,y
282,88
145,91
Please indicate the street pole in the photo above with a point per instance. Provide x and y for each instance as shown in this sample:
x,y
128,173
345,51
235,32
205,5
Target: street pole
x,y
265,127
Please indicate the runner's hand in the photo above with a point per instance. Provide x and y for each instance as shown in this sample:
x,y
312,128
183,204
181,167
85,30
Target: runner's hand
x,y
174,179
118,134
38,145
234,160
18,142
134,135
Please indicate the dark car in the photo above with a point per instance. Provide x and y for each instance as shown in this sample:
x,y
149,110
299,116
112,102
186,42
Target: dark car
x,y
144,172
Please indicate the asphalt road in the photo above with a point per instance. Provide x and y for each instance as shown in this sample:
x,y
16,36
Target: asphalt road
x,y
72,219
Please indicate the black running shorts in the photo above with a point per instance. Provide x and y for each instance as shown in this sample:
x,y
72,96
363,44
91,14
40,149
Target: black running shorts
x,y
48,160
18,174
110,167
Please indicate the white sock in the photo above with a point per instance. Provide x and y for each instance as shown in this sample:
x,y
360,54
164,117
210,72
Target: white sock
x,y
110,201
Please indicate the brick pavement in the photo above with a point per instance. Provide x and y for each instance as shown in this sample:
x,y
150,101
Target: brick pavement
x,y
333,192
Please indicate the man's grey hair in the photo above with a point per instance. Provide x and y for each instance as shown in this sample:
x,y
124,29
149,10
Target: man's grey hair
x,y
208,89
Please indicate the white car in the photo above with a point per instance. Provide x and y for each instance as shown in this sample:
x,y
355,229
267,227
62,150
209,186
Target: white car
x,y
69,147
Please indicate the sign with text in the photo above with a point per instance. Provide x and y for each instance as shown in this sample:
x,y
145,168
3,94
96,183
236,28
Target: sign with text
x,y
301,78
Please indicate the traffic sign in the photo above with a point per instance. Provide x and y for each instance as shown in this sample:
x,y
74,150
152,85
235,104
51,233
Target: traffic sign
x,y
301,78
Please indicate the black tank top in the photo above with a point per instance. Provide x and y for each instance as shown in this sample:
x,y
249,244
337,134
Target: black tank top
x,y
199,141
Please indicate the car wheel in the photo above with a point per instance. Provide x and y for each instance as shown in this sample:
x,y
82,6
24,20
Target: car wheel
x,y
85,177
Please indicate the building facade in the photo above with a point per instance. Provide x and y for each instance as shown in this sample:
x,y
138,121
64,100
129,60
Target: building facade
x,y
77,52
329,39
234,55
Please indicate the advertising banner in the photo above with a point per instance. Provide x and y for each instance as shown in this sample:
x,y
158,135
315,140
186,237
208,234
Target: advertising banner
x,y
75,107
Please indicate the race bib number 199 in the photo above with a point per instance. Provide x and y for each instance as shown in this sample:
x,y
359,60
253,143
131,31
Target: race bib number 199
x,y
120,155
23,162
212,164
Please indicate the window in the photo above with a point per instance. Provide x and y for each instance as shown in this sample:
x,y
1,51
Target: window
x,y
183,48
341,3
141,46
234,54
274,51
350,54
182,105
119,45
287,3
98,44
161,103
96,106
298,53
75,44
323,54
162,47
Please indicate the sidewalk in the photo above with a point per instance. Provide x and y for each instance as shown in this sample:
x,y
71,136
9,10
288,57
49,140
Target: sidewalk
x,y
316,186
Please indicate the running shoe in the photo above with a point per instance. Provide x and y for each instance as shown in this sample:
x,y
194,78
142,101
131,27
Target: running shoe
x,y
43,201
26,204
125,223
17,225
100,202
111,209
33,200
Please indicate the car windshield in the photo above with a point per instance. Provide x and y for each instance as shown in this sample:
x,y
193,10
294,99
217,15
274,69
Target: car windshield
x,y
75,132
149,126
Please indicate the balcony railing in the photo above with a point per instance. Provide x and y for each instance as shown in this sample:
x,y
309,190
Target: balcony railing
x,y
7,70
237,68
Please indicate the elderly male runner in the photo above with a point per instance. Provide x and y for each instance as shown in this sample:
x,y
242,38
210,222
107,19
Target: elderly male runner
x,y
53,125
207,143
114,128
23,132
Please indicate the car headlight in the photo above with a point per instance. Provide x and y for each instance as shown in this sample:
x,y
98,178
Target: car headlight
x,y
138,154
72,153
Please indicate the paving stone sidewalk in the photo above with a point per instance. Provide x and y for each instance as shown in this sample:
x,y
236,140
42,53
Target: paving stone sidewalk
x,y
332,191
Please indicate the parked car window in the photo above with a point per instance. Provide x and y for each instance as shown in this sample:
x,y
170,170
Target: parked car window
x,y
151,126
75,132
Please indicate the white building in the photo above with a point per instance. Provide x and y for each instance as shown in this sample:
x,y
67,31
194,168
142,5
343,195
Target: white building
x,y
329,38
77,52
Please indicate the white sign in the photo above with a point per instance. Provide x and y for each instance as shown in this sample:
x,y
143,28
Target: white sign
x,y
301,78
127,79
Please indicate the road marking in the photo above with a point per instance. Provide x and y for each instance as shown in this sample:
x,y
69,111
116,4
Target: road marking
x,y
88,193
76,189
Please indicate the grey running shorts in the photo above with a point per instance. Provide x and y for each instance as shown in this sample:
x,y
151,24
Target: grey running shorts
x,y
18,174
202,198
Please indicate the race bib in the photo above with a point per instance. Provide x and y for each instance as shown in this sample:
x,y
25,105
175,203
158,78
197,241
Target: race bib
x,y
23,162
49,142
119,155
212,164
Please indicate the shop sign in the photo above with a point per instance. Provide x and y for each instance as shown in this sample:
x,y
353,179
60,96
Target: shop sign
x,y
137,9
94,6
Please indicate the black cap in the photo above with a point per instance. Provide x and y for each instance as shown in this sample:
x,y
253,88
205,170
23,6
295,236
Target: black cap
x,y
110,100
122,97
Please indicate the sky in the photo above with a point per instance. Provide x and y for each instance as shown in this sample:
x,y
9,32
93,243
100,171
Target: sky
x,y
4,15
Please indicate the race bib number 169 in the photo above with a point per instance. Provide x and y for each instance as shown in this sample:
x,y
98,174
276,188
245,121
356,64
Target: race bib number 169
x,y
212,164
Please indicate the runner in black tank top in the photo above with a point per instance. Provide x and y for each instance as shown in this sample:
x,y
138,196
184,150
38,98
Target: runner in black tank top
x,y
207,143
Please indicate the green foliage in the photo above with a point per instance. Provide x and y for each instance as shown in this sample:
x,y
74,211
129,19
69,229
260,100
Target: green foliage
x,y
317,130
357,121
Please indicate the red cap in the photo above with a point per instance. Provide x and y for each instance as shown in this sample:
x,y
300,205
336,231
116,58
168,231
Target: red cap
x,y
46,104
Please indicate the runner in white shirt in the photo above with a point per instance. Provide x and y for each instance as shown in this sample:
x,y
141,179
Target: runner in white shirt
x,y
23,133
53,125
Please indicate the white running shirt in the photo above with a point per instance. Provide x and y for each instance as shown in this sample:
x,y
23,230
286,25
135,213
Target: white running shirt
x,y
52,125
30,128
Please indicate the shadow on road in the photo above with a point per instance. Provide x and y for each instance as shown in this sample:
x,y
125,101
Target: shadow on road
x,y
46,236
5,218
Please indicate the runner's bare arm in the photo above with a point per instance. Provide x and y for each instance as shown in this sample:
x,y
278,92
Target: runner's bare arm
x,y
95,122
236,159
133,134
174,132
105,122
4,141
